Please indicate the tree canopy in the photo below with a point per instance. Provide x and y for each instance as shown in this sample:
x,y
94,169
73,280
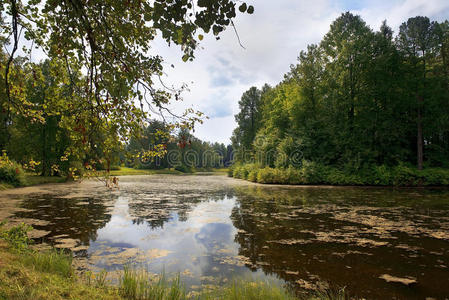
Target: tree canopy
x,y
359,98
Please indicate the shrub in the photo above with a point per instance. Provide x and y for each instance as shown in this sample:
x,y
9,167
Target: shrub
x,y
252,175
266,175
315,173
435,176
230,171
236,171
243,172
11,172
335,177
405,176
294,176
183,169
382,175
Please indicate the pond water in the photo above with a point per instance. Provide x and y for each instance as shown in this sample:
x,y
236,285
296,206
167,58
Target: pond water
x,y
377,243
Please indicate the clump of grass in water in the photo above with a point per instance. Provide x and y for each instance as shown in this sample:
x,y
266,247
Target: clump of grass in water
x,y
138,285
329,294
249,290
17,236
53,261
96,279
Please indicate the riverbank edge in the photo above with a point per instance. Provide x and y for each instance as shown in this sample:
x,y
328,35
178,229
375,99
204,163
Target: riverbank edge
x,y
33,179
325,176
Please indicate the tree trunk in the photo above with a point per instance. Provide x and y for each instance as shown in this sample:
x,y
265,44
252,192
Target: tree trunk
x,y
44,150
419,144
352,95
3,129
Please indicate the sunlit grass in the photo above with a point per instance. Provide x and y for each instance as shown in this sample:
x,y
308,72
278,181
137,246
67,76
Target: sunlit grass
x,y
248,290
130,171
33,179
52,261
5,186
139,285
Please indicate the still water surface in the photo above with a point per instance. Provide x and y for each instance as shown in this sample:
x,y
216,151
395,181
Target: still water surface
x,y
212,229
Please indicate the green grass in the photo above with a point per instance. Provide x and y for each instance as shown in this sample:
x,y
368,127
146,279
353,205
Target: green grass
x,y
249,290
137,284
33,179
53,261
219,170
5,186
130,171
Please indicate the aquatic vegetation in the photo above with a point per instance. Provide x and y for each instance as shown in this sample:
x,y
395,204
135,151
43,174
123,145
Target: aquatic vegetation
x,y
138,284
249,290
17,235
54,261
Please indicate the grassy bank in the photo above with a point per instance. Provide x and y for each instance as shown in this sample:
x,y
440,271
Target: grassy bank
x,y
123,171
316,174
29,179
30,274
32,179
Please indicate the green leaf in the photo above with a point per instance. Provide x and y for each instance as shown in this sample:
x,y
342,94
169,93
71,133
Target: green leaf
x,y
242,7
250,9
200,37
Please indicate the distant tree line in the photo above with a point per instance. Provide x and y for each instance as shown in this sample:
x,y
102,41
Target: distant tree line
x,y
181,150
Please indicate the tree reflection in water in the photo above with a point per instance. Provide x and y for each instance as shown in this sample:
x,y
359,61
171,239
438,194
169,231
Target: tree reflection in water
x,y
346,237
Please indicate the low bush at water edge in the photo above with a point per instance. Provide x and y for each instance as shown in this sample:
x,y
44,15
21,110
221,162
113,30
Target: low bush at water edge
x,y
313,173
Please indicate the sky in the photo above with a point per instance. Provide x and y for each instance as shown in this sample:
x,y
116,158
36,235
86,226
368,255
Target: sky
x,y
273,37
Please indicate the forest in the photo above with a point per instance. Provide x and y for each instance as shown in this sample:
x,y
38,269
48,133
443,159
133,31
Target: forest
x,y
361,107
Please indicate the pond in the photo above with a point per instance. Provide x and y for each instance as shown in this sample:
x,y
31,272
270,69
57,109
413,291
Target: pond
x,y
377,243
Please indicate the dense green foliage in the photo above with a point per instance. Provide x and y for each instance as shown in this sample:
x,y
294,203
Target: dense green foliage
x,y
363,107
11,172
76,110
311,173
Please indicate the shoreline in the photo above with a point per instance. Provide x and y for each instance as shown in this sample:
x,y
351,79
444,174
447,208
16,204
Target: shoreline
x,y
62,181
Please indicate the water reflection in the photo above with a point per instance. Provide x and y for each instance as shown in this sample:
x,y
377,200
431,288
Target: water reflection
x,y
212,229
347,237
200,245
69,221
